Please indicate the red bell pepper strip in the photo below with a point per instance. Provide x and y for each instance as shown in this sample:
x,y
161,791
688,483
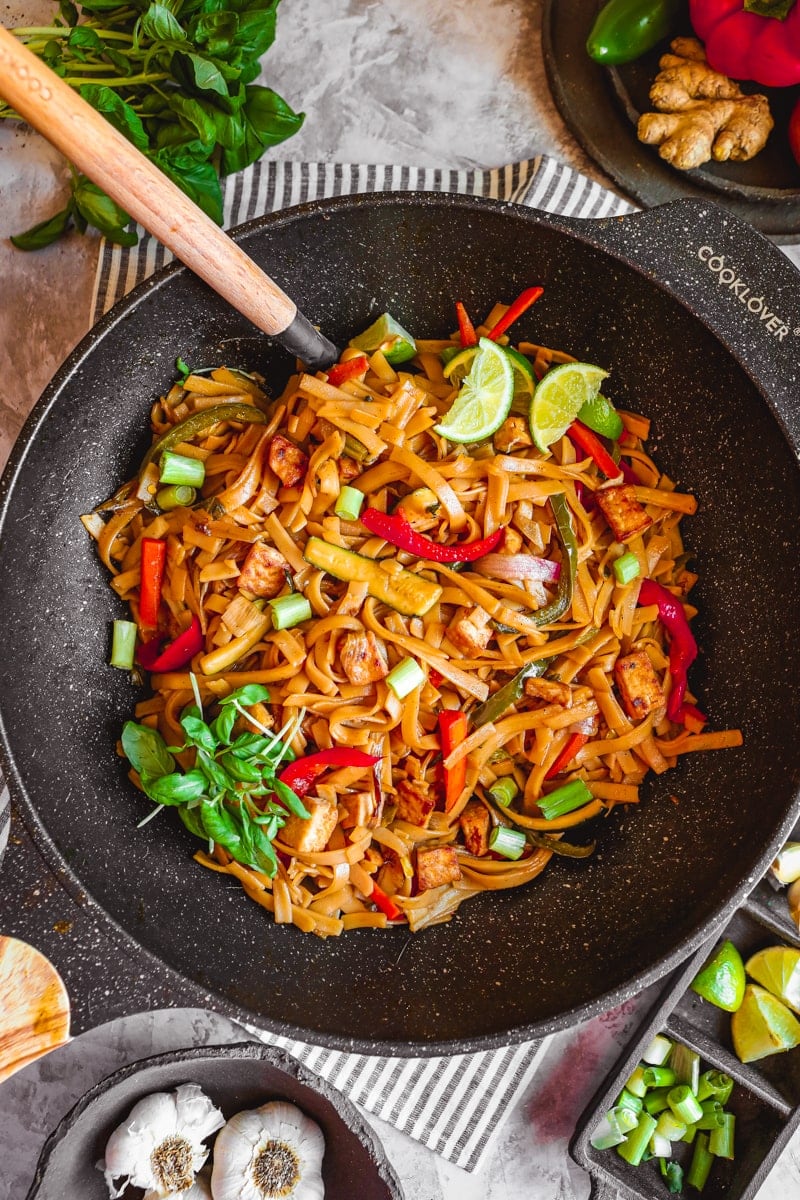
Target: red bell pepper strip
x,y
587,441
452,731
177,654
571,748
515,311
385,903
397,530
466,330
682,646
342,371
153,561
300,774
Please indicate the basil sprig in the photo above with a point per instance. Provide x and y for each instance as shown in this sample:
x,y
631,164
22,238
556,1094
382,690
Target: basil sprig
x,y
232,795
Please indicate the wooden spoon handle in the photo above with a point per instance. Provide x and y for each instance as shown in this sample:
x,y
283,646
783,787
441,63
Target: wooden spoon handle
x,y
138,186
34,1006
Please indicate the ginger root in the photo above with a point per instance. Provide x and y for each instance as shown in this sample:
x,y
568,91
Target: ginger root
x,y
701,114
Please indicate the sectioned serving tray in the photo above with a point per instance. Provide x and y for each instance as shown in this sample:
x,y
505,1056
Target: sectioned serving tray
x,y
766,1094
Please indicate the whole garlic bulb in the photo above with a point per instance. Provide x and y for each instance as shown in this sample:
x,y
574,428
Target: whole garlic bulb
x,y
270,1153
159,1146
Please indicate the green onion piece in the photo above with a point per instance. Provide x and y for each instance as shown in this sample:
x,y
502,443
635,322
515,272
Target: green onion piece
x,y
690,1135
720,1141
406,676
349,504
634,1146
565,799
670,1127
179,468
658,1077
701,1163
175,496
635,1083
716,1084
685,1104
656,1101
288,611
625,1118
627,1099
659,1147
508,842
626,568
686,1065
786,867
123,644
673,1173
504,790
713,1119
658,1051
607,1135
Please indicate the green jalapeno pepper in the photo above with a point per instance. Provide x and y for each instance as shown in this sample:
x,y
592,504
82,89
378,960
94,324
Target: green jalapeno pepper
x,y
626,29
198,423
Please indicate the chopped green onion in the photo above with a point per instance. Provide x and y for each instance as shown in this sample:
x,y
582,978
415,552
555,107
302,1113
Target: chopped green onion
x,y
175,496
179,468
627,1099
670,1127
659,1146
625,1118
716,1084
658,1051
658,1077
507,842
349,504
656,1101
786,867
288,611
690,1135
123,644
634,1146
565,799
607,1135
626,568
720,1141
701,1164
635,1083
685,1104
406,676
712,1117
504,790
686,1065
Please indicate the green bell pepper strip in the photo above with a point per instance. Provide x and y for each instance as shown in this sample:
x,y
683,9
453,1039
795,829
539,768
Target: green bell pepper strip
x,y
569,564
510,693
626,29
198,423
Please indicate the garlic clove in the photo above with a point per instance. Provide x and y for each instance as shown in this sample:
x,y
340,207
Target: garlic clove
x,y
270,1153
159,1147
200,1189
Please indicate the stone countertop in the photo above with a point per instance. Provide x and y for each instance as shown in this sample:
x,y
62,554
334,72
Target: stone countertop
x,y
422,83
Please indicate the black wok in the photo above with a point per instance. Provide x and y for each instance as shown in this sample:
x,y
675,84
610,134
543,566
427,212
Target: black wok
x,y
699,319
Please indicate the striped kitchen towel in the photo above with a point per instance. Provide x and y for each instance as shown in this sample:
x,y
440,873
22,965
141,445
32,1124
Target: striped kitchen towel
x,y
452,1105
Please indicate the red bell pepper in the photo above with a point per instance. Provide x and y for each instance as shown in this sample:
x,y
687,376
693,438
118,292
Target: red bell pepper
x,y
571,748
588,442
385,903
682,646
746,44
397,530
153,562
300,774
522,303
466,330
452,731
177,654
342,371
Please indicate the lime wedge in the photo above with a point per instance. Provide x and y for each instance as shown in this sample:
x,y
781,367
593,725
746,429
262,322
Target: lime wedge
x,y
721,981
524,381
762,1026
458,367
388,336
601,416
559,397
778,969
484,398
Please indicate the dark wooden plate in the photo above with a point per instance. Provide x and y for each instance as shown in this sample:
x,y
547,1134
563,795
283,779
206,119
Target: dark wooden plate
x,y
601,106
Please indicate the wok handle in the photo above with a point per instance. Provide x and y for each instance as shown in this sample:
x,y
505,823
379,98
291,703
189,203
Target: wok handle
x,y
735,280
143,191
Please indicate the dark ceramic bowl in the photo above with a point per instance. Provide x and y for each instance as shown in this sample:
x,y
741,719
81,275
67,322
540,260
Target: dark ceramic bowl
x,y
698,318
234,1078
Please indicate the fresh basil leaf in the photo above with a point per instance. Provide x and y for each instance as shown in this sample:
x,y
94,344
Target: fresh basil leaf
x,y
251,693
248,745
264,851
213,772
45,233
220,826
52,53
292,801
117,112
99,210
674,1176
205,74
177,788
216,31
197,179
241,769
68,12
161,25
83,37
196,117
191,819
222,726
256,30
198,733
267,120
146,751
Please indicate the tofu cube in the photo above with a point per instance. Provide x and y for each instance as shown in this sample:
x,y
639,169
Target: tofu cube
x,y
415,802
549,690
470,631
311,834
622,510
638,685
513,434
287,460
364,658
475,824
435,866
356,808
263,572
